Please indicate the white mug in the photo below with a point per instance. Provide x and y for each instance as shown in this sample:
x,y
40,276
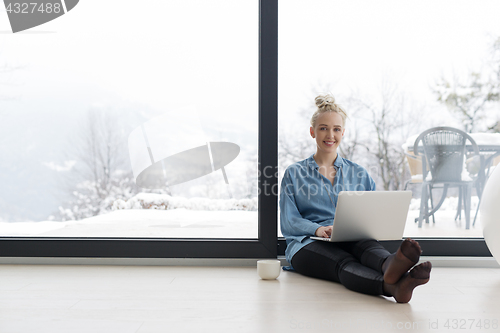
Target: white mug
x,y
268,269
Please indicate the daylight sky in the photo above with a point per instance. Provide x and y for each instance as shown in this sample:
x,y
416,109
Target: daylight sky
x,y
166,54
355,45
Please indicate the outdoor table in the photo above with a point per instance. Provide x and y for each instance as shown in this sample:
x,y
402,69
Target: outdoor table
x,y
488,144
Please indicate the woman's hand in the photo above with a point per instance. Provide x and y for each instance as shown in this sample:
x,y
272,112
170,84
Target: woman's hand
x,y
325,232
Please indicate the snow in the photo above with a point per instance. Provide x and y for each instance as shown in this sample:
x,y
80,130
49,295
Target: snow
x,y
154,215
416,178
410,142
166,202
28,228
185,223
68,165
174,223
486,138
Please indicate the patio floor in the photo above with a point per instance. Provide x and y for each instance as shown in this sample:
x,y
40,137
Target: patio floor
x,y
445,226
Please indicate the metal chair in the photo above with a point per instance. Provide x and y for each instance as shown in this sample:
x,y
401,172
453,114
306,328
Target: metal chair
x,y
415,165
444,149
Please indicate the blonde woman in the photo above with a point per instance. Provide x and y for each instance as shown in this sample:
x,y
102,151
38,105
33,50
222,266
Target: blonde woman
x,y
308,198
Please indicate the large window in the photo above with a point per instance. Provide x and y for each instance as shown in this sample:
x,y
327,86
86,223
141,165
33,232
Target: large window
x,y
139,123
88,100
395,66
145,127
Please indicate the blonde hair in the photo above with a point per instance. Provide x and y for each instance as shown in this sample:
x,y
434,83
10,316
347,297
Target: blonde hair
x,y
326,103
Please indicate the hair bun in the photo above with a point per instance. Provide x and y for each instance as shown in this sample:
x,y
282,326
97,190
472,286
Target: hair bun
x,y
322,101
326,103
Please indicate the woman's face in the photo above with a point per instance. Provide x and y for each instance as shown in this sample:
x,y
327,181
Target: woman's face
x,y
328,132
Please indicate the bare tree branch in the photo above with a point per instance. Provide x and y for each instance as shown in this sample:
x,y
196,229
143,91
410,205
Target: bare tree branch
x,y
100,175
388,120
470,96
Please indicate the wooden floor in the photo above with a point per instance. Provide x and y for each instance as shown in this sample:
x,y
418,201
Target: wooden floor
x,y
142,299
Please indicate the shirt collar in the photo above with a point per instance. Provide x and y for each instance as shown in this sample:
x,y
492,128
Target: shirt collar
x,y
337,164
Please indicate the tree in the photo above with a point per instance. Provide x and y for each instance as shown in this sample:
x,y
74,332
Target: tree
x,y
376,129
470,97
296,144
495,60
101,174
388,121
495,66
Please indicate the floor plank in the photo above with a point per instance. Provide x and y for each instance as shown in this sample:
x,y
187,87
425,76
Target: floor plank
x,y
143,299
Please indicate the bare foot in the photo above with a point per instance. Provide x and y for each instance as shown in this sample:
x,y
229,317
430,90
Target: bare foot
x,y
397,264
403,290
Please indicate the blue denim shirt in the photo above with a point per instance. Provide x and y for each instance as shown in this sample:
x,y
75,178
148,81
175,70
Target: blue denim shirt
x,y
306,198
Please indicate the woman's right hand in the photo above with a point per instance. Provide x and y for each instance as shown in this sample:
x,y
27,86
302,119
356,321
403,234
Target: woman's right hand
x,y
325,232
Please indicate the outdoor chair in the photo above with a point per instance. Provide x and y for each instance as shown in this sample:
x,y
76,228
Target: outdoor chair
x,y
444,150
415,165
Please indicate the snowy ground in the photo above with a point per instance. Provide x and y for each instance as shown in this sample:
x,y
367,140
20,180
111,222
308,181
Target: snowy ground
x,y
175,223
183,223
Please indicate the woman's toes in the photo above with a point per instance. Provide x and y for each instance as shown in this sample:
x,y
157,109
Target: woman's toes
x,y
405,258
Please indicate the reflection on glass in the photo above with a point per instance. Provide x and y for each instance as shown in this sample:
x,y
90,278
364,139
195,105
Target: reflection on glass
x,y
398,68
98,104
163,155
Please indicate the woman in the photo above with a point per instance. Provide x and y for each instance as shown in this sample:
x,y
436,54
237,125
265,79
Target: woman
x,y
307,204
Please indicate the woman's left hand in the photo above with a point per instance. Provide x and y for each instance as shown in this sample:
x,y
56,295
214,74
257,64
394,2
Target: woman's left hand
x,y
325,232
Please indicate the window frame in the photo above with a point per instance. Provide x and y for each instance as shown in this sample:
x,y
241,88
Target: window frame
x,y
264,246
267,245
433,247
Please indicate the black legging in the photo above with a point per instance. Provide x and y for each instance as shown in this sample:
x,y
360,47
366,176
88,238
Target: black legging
x,y
356,265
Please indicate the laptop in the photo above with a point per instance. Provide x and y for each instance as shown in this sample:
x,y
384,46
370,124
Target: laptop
x,y
380,215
